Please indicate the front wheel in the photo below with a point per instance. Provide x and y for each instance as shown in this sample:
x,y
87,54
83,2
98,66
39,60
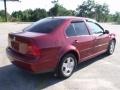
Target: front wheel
x,y
111,47
67,66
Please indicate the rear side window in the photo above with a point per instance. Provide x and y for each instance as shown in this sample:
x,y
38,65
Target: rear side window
x,y
81,28
46,25
76,29
70,31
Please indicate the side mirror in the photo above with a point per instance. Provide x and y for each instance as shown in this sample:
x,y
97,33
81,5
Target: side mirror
x,y
106,32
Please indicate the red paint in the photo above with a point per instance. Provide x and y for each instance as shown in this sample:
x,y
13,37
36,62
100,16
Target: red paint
x,y
40,52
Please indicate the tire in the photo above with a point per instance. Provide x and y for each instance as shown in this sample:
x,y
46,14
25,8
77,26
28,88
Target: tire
x,y
111,47
67,66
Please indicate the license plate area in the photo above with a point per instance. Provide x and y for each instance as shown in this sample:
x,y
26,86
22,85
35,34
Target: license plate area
x,y
23,48
18,46
14,45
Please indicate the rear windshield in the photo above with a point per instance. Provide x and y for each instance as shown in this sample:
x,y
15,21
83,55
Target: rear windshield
x,y
46,25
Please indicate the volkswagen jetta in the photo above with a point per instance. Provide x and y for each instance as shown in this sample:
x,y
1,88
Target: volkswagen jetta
x,y
58,44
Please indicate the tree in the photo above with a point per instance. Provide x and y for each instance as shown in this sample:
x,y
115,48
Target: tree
x,y
17,16
54,10
92,10
101,12
5,6
29,15
2,15
86,9
110,18
39,14
59,10
116,17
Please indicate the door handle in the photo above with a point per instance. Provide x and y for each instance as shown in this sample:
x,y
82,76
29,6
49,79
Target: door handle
x,y
76,41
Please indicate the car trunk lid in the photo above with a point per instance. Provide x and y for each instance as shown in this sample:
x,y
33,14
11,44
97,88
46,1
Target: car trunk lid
x,y
23,42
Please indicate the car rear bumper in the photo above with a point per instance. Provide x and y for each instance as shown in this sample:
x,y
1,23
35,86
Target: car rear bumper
x,y
33,65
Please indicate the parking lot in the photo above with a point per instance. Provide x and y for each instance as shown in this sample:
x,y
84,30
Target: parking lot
x,y
100,73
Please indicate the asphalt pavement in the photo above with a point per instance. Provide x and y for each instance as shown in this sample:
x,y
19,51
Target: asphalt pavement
x,y
100,73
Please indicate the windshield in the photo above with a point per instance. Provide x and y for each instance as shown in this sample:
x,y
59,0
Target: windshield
x,y
46,25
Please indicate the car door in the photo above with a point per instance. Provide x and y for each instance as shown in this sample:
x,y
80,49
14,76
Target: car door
x,y
101,39
81,38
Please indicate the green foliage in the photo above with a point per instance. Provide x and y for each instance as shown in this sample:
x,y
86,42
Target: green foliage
x,y
116,17
54,10
59,10
2,15
110,18
17,16
92,10
34,15
39,14
29,15
101,12
88,9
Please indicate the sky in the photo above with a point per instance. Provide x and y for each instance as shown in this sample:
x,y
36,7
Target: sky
x,y
114,5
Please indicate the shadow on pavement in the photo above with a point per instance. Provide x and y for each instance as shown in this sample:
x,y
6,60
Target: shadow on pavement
x,y
11,78
88,62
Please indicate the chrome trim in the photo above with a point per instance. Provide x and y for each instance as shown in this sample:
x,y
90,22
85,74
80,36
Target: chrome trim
x,y
87,49
102,45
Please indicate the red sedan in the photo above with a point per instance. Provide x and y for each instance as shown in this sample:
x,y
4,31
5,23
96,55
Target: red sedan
x,y
58,44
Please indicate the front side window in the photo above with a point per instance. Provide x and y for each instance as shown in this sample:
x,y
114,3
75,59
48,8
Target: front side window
x,y
96,29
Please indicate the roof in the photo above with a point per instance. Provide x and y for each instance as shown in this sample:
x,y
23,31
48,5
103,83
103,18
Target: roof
x,y
73,17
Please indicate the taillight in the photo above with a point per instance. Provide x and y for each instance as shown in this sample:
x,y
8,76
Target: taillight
x,y
33,50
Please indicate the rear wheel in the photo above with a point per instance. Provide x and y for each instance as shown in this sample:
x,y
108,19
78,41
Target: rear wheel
x,y
67,66
111,47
